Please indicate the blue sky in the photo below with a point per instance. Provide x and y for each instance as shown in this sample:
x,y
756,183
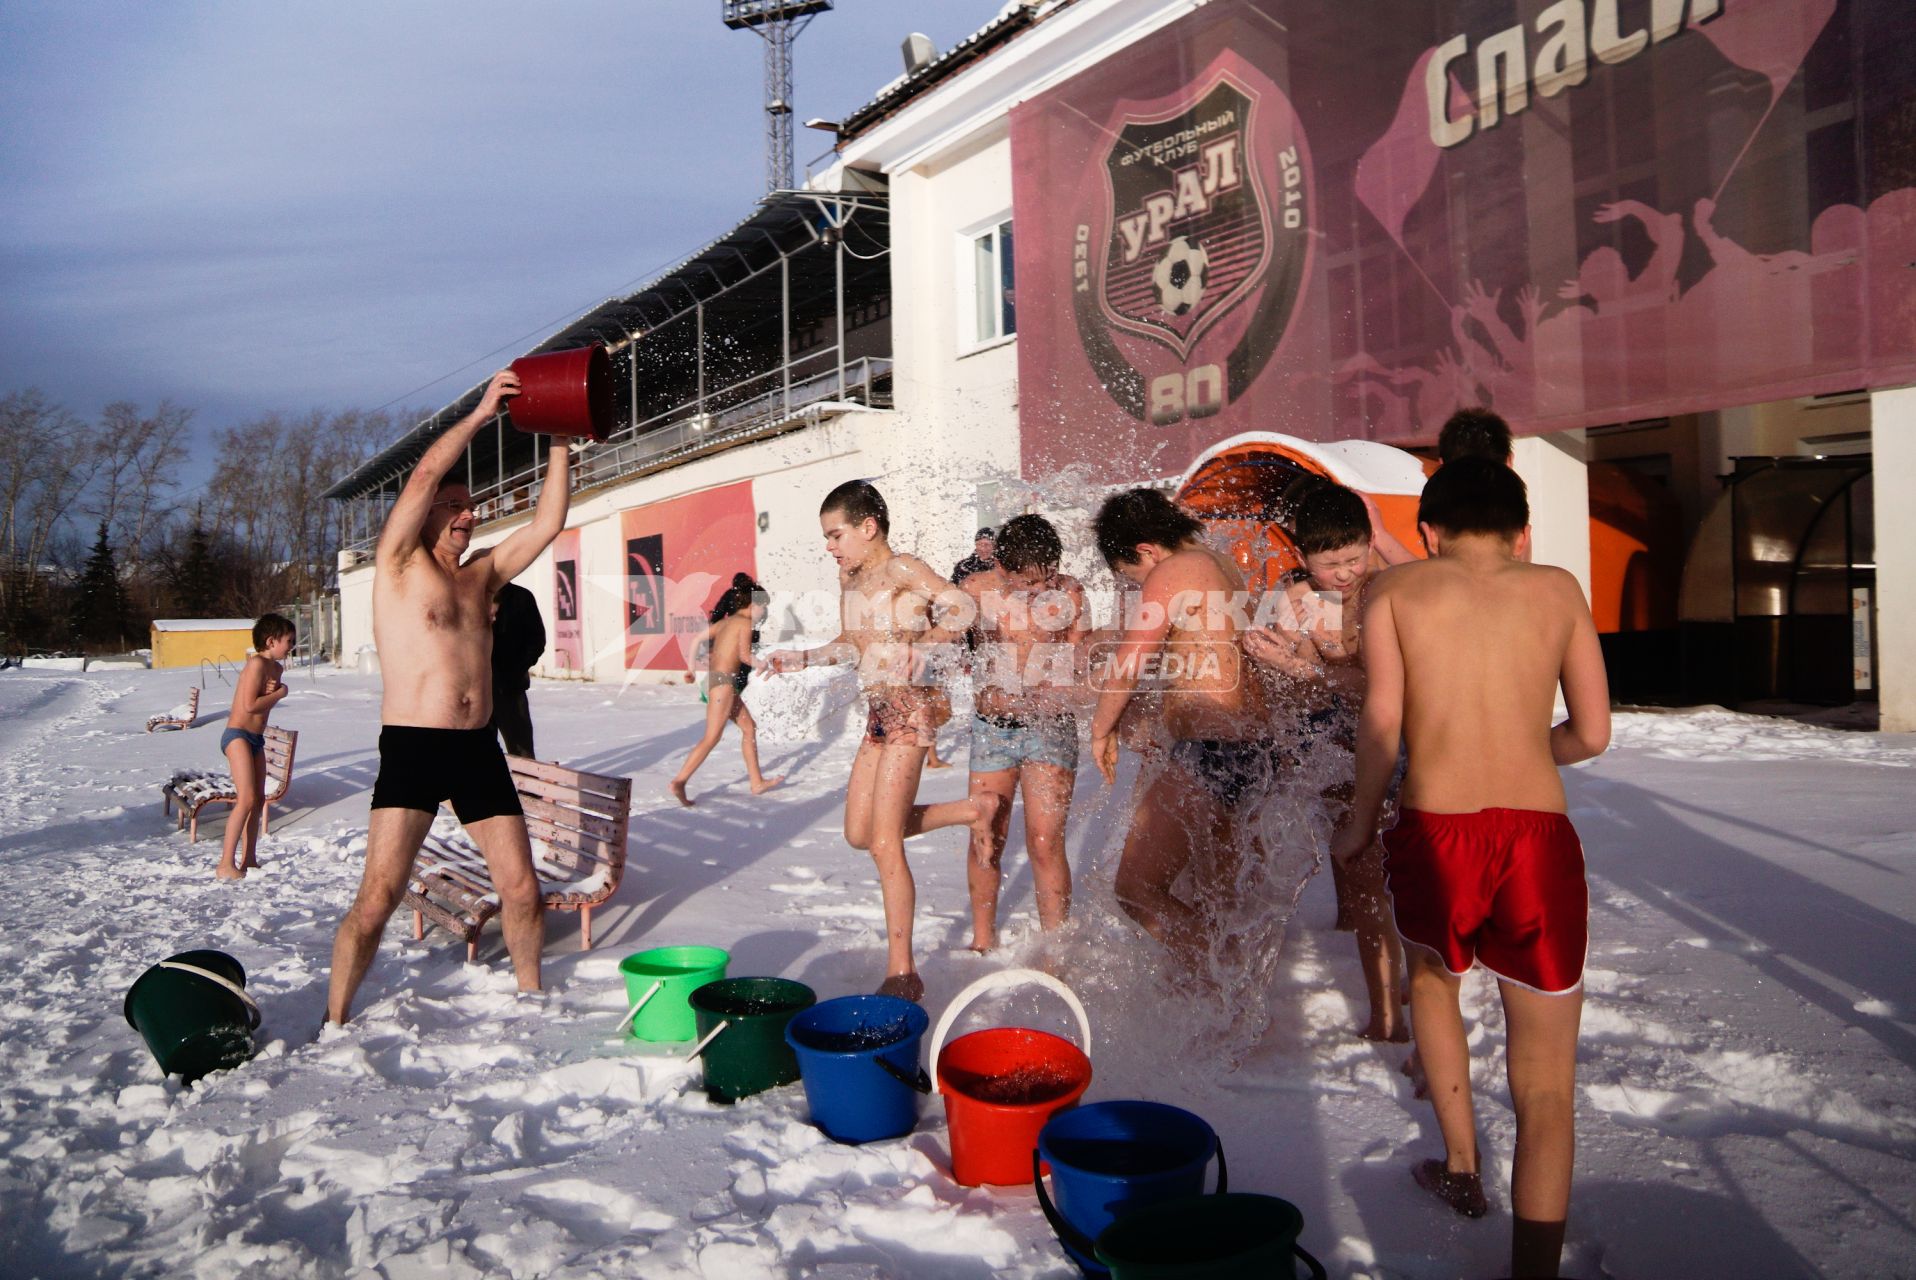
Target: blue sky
x,y
256,206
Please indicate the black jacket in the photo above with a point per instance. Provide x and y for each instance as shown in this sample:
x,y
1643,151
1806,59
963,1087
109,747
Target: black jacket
x,y
518,638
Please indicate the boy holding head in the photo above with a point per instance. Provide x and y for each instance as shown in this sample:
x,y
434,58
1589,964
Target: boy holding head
x,y
1463,654
1319,648
894,610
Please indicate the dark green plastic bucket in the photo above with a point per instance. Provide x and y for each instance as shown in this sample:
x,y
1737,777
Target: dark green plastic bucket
x,y
194,1023
1222,1237
750,1055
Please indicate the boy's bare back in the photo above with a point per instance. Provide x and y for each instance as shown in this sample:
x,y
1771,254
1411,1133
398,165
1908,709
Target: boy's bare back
x,y
1476,643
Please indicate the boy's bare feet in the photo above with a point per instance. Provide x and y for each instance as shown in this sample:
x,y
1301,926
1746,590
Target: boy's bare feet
x,y
763,785
906,986
1463,1192
225,872
677,788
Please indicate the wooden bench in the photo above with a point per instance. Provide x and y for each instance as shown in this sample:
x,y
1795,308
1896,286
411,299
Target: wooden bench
x,y
194,789
577,822
180,717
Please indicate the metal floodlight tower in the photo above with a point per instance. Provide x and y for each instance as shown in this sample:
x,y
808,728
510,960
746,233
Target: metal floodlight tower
x,y
778,23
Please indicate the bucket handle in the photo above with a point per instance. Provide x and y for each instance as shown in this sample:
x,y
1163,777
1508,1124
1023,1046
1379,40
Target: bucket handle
x,y
252,1007
1073,1239
921,1082
639,1004
1005,979
710,1036
1082,1244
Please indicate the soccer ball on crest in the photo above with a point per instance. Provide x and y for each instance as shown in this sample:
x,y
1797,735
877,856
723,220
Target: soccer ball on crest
x,y
1179,276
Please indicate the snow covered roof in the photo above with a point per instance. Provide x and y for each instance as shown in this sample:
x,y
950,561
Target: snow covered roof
x,y
1012,19
202,624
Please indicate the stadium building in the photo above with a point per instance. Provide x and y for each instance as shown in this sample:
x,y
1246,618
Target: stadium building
x,y
1216,245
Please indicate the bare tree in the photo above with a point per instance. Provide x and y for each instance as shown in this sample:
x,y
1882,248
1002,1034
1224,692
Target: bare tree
x,y
137,459
46,459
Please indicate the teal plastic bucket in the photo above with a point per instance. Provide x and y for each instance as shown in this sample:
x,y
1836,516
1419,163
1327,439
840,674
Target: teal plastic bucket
x,y
194,1014
665,978
750,1055
1226,1237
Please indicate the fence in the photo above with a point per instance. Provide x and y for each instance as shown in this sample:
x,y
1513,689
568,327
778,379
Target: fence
x,y
317,619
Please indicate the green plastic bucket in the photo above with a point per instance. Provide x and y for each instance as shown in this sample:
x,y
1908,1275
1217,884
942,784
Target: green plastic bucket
x,y
1236,1236
663,977
194,1014
750,1055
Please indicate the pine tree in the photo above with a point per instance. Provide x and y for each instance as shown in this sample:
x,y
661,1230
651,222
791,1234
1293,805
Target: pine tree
x,y
198,583
99,613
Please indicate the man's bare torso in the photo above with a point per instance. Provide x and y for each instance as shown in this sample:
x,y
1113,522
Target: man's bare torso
x,y
1483,648
433,631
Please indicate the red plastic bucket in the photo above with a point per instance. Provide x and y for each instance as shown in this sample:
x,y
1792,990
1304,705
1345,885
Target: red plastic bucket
x,y
564,393
1001,1085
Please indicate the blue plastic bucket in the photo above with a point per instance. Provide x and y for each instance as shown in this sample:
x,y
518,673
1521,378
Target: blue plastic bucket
x,y
1109,1158
858,1058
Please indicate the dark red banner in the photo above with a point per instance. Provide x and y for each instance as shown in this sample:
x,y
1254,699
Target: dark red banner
x,y
1347,221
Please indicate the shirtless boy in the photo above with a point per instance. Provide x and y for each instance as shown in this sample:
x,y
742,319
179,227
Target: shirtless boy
x,y
887,604
1032,623
432,625
1464,653
1319,648
258,690
1467,433
1213,710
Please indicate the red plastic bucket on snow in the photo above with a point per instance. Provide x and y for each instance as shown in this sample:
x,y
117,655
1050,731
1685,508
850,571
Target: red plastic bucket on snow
x,y
564,393
1002,1084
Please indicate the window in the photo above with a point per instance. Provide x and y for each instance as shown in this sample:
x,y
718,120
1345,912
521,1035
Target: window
x,y
994,308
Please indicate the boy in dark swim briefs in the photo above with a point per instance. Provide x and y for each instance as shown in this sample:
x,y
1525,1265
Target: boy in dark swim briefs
x,y
260,687
1183,626
1464,653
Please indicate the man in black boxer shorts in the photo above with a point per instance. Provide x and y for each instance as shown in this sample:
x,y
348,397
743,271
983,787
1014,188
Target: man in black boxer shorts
x,y
432,626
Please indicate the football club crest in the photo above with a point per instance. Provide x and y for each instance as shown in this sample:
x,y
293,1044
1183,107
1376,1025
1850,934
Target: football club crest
x,y
1187,278
1190,231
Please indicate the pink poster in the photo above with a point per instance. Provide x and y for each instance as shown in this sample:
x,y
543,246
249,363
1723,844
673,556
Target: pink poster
x,y
568,639
679,556
1347,221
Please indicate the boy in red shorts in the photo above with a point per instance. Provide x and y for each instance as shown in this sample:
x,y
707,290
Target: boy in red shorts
x,y
1463,654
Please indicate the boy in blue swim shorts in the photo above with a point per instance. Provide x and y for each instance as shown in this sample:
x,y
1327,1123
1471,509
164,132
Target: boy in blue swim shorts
x,y
1032,623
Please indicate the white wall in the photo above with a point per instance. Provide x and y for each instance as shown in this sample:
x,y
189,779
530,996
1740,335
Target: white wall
x,y
1558,478
958,402
1893,446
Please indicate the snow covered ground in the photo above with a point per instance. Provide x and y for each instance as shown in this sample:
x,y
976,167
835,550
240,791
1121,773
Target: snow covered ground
x,y
1746,1104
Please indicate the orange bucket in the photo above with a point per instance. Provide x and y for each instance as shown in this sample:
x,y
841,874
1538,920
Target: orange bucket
x,y
1002,1084
564,393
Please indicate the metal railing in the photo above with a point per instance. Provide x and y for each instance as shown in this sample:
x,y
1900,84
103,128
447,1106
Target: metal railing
x,y
767,404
